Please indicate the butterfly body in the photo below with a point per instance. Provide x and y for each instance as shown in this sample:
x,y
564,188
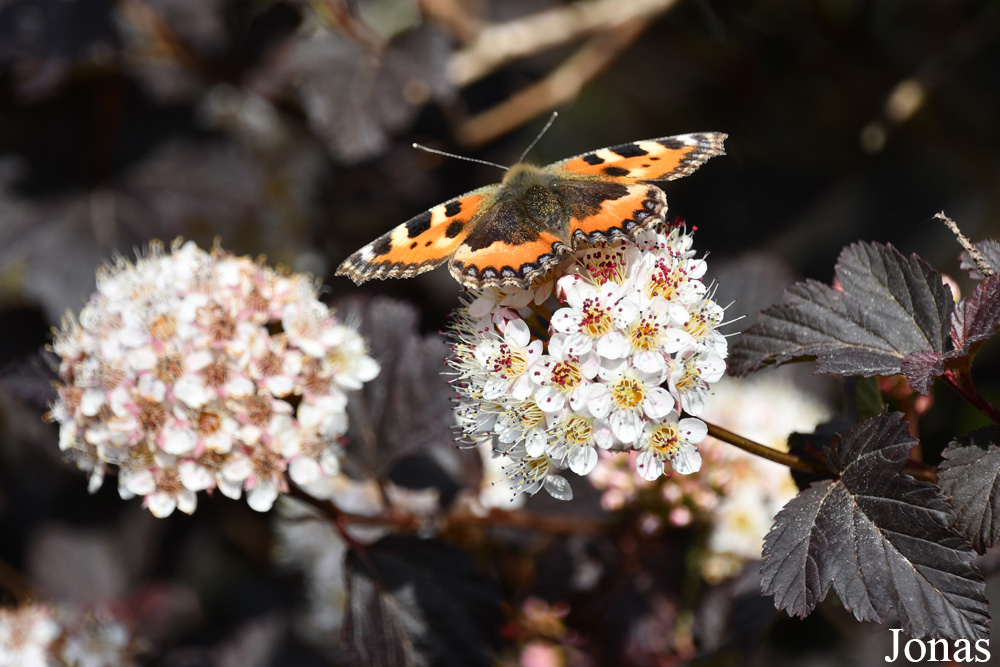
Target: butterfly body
x,y
511,232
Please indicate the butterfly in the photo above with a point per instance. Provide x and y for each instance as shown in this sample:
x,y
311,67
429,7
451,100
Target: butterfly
x,y
511,232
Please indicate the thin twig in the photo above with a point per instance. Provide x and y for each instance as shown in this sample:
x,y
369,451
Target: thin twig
x,y
450,14
161,40
550,524
501,43
963,240
561,85
763,451
796,462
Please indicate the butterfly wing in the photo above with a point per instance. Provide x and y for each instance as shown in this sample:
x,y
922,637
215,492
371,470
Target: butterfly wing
x,y
609,209
606,190
503,247
662,159
421,243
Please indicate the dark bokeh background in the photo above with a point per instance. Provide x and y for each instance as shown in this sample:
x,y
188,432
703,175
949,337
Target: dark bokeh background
x,y
284,128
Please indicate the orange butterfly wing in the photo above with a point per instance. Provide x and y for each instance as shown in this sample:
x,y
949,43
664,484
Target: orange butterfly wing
x,y
502,248
419,244
629,168
608,209
662,159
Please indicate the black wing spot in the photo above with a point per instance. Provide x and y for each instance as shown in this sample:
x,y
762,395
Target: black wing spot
x,y
454,229
453,208
616,171
653,158
419,224
382,246
629,150
593,159
428,244
413,245
672,144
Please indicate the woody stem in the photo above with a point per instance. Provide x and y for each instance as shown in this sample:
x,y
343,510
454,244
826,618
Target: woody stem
x,y
784,458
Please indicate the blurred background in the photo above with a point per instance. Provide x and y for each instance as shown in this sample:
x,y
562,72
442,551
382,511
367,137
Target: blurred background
x,y
285,129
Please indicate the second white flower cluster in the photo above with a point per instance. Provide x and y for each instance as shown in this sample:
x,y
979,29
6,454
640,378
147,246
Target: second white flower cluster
x,y
607,353
193,371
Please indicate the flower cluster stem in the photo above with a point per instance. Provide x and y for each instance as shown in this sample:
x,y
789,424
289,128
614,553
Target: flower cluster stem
x,y
797,462
757,449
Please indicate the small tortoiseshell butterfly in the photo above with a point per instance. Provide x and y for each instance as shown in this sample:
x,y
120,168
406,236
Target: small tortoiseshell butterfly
x,y
511,232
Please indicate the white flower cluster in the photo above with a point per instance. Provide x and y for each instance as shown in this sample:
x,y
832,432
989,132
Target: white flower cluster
x,y
192,371
606,352
40,635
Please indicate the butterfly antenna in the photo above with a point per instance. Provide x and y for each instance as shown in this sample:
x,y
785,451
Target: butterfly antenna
x,y
458,157
545,129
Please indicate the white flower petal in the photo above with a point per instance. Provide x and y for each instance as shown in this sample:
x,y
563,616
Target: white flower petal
x,y
599,401
658,403
558,487
91,402
239,387
178,441
262,496
192,391
627,426
279,385
304,470
195,476
694,430
516,333
550,399
197,360
187,501
613,345
233,490
649,465
137,483
686,460
161,505
582,460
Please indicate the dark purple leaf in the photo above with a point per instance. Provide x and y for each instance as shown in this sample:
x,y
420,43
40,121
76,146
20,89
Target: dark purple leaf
x,y
41,40
195,189
977,317
921,367
201,38
882,540
974,320
405,414
30,380
356,99
413,601
990,250
810,446
890,307
970,475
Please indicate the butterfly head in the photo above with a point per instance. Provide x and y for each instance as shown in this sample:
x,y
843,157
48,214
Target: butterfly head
x,y
523,175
